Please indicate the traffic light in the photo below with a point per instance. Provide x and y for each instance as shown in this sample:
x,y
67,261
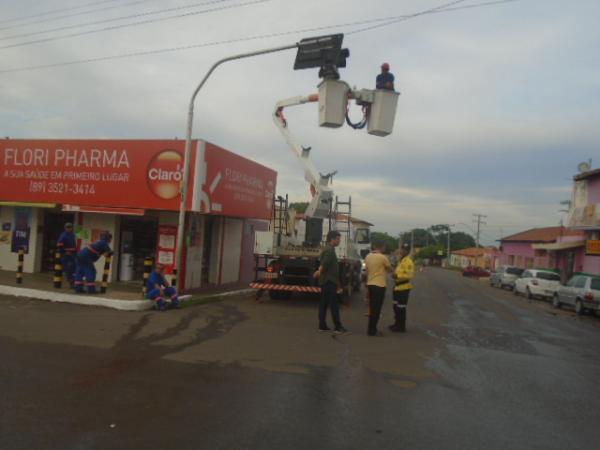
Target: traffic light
x,y
324,52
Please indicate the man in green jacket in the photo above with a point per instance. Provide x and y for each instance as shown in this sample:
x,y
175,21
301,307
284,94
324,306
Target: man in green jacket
x,y
329,280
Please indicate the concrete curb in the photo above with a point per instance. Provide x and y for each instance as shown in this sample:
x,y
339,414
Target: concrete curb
x,y
122,305
87,300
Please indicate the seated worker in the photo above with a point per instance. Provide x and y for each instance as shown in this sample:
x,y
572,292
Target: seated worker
x,y
86,258
158,288
67,247
385,80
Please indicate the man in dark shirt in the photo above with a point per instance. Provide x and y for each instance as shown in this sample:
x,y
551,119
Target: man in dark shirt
x,y
329,280
385,80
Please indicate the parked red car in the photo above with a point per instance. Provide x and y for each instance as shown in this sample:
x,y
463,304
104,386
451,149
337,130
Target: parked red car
x,y
474,271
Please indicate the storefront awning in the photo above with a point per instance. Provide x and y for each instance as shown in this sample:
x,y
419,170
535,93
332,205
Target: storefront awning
x,y
557,246
32,205
104,210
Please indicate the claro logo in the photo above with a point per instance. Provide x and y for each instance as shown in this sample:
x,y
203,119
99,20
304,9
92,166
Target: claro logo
x,y
165,174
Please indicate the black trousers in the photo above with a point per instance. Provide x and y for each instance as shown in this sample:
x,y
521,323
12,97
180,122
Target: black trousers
x,y
329,299
376,296
400,304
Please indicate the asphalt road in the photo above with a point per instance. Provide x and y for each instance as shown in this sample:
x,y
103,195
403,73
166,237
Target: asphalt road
x,y
477,369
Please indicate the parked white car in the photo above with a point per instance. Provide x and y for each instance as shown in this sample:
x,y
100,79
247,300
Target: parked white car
x,y
582,292
541,283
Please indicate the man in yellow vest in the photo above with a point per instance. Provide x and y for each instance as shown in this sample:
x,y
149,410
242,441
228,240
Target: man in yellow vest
x,y
404,273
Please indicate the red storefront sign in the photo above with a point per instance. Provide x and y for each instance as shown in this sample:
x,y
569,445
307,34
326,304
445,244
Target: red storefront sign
x,y
133,173
233,186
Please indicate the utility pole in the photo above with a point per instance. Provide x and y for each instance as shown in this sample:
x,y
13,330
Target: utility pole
x,y
448,252
412,241
479,223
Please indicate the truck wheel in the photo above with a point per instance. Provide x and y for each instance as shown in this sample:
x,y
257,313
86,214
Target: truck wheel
x,y
279,295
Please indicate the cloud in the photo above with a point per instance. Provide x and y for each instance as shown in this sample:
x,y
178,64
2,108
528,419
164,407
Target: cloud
x,y
498,104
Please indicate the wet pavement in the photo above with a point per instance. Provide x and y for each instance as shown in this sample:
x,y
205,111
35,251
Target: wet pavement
x,y
478,368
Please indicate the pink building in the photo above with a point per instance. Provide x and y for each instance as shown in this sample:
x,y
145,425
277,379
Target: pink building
x,y
555,248
584,216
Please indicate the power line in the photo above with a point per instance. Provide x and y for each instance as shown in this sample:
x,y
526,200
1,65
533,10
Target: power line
x,y
143,22
410,16
439,9
237,40
67,16
114,19
55,11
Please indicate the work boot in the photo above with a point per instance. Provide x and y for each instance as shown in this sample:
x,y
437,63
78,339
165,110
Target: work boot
x,y
397,326
161,305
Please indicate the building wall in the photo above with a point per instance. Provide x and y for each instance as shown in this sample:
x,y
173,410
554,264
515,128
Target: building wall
x,y
594,191
232,251
591,264
216,245
193,249
518,254
247,259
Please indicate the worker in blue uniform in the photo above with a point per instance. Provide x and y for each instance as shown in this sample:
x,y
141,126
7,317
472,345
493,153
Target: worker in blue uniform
x,y
86,258
159,289
67,247
385,80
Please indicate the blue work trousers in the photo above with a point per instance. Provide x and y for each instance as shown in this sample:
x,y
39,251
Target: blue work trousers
x,y
69,264
85,270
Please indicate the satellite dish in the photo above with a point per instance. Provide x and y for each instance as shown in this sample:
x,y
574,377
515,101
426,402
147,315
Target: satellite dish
x,y
583,167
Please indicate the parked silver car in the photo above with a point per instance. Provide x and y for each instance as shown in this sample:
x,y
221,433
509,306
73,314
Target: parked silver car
x,y
582,292
505,276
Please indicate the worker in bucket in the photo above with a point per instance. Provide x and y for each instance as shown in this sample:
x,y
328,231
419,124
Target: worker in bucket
x,y
86,258
159,289
67,247
385,80
404,273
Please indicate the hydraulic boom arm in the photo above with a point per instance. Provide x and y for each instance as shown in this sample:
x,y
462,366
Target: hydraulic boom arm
x,y
319,183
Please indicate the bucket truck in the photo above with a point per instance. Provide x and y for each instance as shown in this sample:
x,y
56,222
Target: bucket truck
x,y
287,255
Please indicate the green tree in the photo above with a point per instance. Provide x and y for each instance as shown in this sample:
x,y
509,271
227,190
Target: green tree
x,y
432,251
460,240
437,235
300,207
391,242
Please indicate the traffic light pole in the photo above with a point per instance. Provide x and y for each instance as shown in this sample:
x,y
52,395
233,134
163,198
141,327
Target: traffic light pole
x,y
188,151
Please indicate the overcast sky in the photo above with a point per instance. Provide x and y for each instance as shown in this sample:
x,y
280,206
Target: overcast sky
x,y
499,103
